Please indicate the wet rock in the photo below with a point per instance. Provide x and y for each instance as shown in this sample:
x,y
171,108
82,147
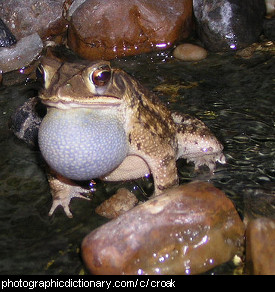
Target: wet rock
x,y
33,16
260,247
224,25
270,8
21,54
189,52
7,39
118,204
26,120
105,30
70,7
187,230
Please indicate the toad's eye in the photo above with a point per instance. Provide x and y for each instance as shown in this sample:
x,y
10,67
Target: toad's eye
x,y
101,76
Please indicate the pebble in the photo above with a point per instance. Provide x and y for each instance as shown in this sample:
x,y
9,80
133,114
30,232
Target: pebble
x,y
189,52
118,204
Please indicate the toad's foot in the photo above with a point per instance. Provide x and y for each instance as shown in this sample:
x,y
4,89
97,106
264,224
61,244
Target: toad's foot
x,y
208,160
63,190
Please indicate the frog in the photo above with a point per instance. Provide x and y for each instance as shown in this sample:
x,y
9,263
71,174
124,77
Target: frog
x,y
146,137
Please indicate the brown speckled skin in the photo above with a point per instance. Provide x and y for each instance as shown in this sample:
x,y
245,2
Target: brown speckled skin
x,y
157,138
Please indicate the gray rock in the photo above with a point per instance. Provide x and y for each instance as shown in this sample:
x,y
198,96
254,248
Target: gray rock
x,y
225,25
21,54
26,121
27,17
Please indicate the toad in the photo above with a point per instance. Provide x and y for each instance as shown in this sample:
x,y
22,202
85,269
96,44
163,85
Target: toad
x,y
102,123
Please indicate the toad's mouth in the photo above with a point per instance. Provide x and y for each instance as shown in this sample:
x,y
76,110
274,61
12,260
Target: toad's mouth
x,y
87,102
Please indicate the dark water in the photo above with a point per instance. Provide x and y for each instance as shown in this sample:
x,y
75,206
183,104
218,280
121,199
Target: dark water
x,y
234,97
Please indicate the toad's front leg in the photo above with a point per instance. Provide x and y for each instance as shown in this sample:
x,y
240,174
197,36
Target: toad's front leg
x,y
63,190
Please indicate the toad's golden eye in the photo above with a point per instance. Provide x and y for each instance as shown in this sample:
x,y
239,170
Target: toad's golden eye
x,y
101,76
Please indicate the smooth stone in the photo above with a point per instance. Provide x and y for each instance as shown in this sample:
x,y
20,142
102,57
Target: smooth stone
x,y
260,247
186,230
106,30
117,205
189,52
226,25
21,54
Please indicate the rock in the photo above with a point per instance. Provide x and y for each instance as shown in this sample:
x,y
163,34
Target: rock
x,y
260,247
26,120
187,230
225,25
70,6
33,16
21,54
7,39
270,8
118,204
189,52
105,30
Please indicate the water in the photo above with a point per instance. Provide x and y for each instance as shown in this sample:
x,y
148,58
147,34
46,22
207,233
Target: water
x,y
234,97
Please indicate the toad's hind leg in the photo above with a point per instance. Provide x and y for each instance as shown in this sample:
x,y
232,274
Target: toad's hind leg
x,y
196,142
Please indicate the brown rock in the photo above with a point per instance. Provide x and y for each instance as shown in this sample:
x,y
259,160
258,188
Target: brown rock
x,y
28,17
105,30
118,204
260,247
187,230
189,52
